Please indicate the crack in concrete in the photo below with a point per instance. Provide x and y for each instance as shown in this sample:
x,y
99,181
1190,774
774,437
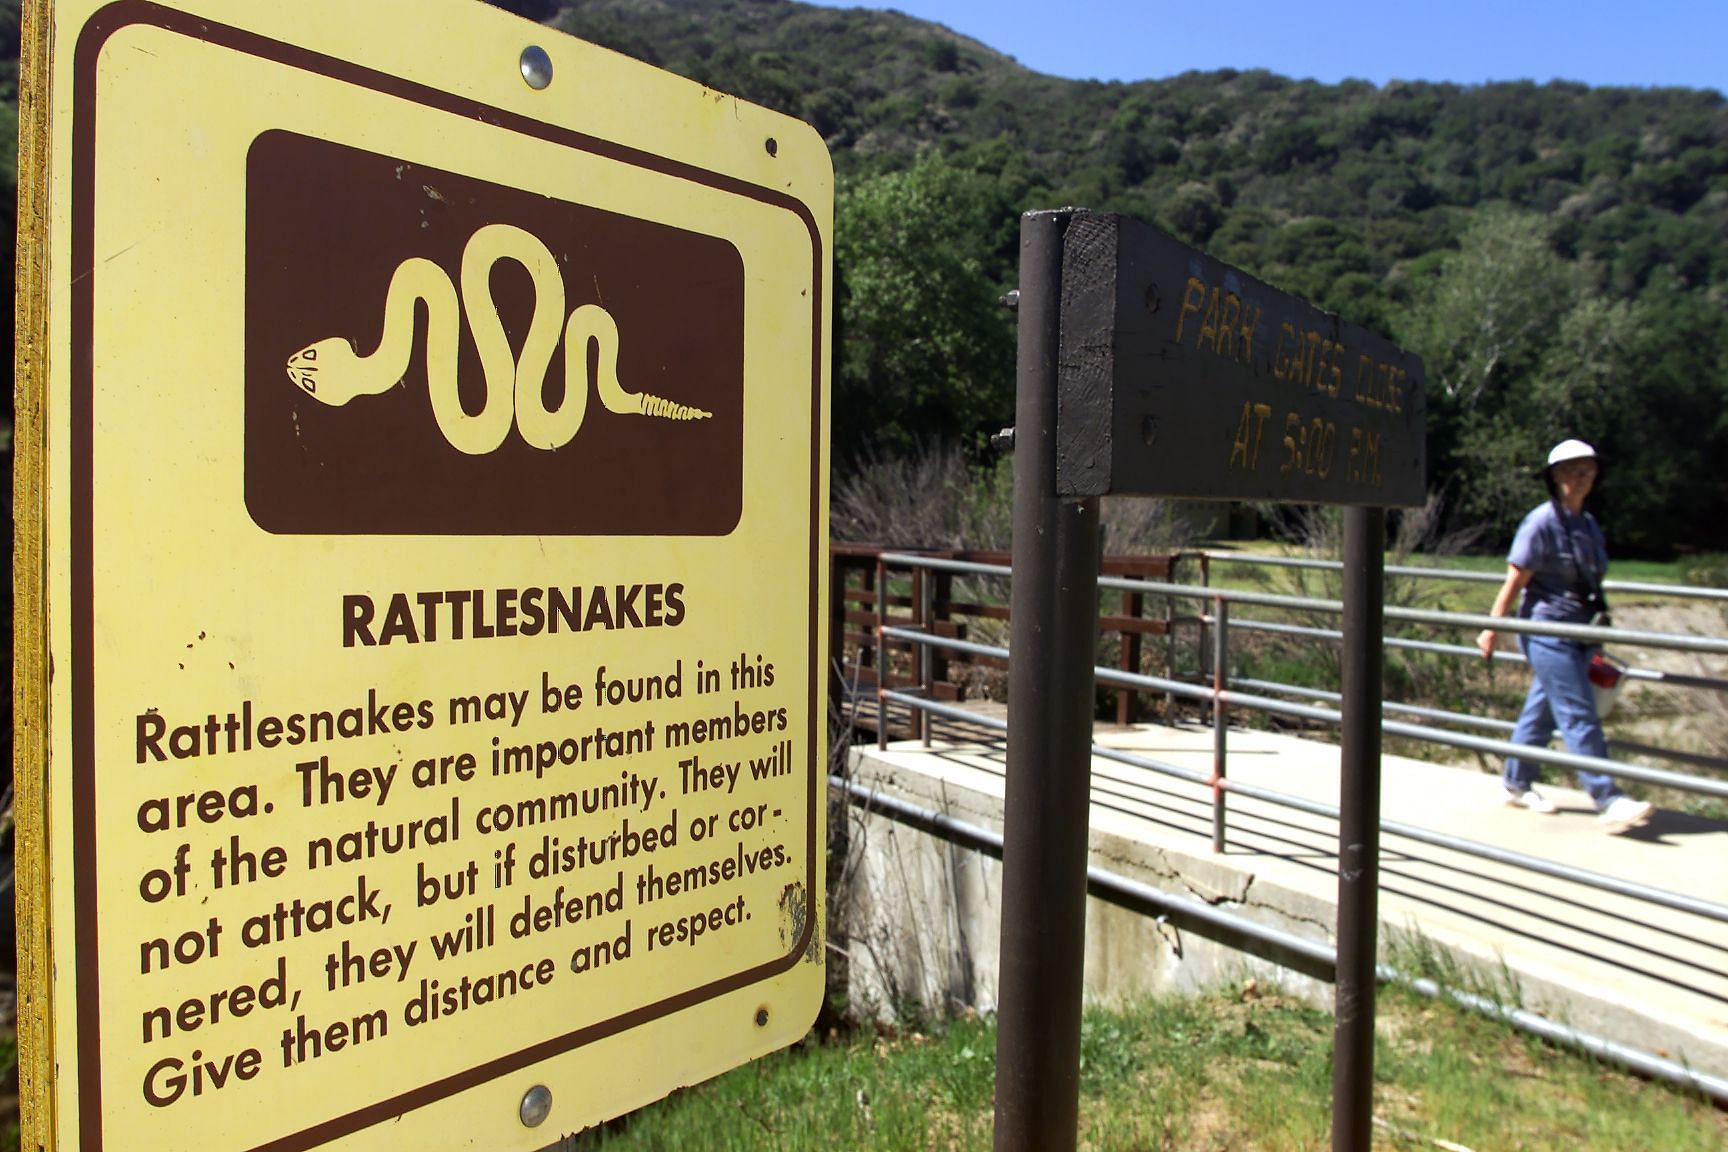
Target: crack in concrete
x,y
1243,897
1214,897
1172,935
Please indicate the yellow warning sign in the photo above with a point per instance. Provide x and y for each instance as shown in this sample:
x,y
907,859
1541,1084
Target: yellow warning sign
x,y
425,450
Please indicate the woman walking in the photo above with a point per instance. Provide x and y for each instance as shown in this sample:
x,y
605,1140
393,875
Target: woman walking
x,y
1557,561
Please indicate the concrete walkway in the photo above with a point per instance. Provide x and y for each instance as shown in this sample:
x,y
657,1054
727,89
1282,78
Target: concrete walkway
x,y
1632,972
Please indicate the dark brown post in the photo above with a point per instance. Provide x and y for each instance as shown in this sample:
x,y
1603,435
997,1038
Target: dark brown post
x,y
944,597
1133,605
1220,716
1358,831
883,660
867,585
1053,644
924,592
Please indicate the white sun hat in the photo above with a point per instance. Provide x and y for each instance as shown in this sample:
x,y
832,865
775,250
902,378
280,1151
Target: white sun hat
x,y
1570,450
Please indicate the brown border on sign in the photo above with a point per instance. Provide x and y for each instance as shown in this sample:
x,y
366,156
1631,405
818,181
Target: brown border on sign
x,y
102,25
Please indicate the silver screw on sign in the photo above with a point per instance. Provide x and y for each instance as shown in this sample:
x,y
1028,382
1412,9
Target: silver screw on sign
x,y
536,1106
536,67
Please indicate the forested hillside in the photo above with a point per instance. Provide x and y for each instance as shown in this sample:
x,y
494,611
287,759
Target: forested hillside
x,y
1558,254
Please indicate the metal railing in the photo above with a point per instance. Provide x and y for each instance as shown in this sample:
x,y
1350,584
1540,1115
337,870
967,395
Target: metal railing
x,y
1222,698
934,596
1219,623
1679,591
1225,694
1471,656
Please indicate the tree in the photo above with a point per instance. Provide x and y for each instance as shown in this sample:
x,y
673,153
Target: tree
x,y
1194,213
926,350
1485,326
943,55
1493,309
1664,484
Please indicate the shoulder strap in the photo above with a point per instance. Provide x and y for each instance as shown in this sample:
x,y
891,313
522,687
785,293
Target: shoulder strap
x,y
1594,531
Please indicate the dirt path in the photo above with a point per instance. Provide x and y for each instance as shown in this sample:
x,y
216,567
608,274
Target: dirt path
x,y
1685,719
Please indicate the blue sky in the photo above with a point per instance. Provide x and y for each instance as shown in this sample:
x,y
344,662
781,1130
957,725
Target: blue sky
x,y
1643,43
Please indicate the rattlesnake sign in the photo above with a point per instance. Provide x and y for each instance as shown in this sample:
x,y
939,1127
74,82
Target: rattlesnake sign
x,y
421,566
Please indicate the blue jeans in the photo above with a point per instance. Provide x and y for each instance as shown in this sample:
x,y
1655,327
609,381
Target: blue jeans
x,y
1560,698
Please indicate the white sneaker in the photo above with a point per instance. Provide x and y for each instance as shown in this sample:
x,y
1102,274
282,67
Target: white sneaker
x,y
1533,800
1624,814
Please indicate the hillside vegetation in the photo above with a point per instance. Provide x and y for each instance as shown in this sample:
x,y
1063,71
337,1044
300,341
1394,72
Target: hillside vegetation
x,y
1557,253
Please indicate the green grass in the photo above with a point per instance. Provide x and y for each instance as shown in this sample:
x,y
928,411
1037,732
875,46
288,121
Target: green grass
x,y
1224,1071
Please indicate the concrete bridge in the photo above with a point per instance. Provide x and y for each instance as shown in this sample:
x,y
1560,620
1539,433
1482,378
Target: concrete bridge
x,y
918,916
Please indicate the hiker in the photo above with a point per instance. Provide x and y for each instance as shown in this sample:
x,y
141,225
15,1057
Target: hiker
x,y
1557,561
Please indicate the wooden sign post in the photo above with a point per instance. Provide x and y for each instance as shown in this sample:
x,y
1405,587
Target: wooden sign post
x,y
1148,368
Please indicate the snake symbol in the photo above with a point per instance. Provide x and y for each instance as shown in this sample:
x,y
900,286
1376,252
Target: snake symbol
x,y
332,372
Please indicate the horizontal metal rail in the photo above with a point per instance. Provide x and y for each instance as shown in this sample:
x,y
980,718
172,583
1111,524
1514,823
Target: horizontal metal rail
x,y
947,711
952,644
1319,961
1570,760
1582,632
1466,720
1461,718
1678,591
1648,675
937,564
